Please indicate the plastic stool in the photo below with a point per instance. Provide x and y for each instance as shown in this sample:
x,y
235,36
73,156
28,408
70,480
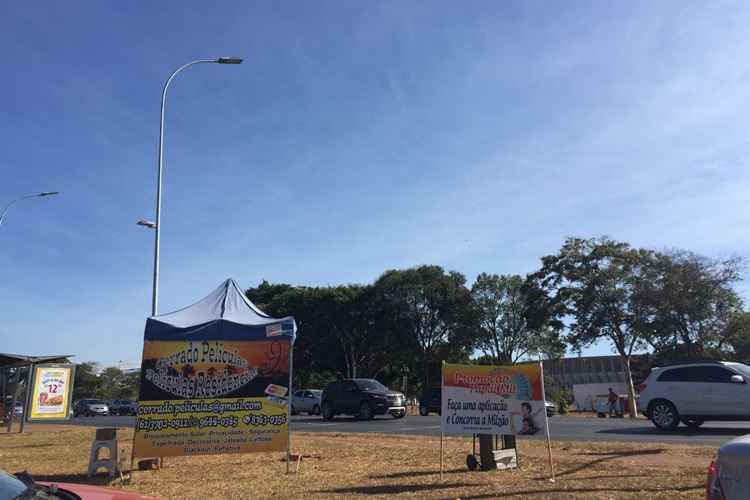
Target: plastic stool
x,y
105,438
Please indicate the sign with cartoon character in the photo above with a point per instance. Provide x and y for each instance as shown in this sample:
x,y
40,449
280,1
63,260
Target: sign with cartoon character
x,y
497,400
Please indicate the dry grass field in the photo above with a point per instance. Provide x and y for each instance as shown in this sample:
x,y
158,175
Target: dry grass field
x,y
378,466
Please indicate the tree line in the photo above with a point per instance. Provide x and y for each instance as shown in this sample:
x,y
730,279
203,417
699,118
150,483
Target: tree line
x,y
108,384
675,305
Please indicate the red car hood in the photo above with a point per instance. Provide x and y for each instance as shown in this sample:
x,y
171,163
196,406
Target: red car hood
x,y
91,492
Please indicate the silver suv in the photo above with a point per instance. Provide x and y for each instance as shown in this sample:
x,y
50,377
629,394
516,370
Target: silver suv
x,y
695,392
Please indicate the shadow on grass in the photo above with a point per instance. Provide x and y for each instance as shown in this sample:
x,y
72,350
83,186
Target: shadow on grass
x,y
680,431
613,489
603,476
420,473
605,457
395,489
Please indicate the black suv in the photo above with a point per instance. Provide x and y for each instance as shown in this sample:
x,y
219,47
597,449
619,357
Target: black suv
x,y
431,401
123,407
363,398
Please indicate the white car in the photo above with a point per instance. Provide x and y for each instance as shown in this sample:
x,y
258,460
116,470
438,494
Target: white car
x,y
307,400
695,392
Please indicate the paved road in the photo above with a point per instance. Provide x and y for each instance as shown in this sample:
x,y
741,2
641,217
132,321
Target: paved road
x,y
562,428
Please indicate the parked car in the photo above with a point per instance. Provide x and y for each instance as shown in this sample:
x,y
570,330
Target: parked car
x,y
549,406
23,486
123,407
431,401
363,398
693,393
307,400
18,410
727,475
90,408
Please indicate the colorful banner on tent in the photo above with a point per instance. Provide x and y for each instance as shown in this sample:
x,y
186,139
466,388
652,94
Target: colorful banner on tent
x,y
492,399
211,397
51,392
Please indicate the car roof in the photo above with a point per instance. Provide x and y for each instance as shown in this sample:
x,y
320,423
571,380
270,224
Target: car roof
x,y
735,363
693,363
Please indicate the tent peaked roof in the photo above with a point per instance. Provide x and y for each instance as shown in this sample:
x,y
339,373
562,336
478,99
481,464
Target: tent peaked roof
x,y
226,304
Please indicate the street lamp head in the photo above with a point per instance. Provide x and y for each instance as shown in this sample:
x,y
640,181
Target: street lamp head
x,y
48,193
146,223
229,60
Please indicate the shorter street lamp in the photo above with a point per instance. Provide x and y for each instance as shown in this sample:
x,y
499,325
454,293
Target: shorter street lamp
x,y
38,195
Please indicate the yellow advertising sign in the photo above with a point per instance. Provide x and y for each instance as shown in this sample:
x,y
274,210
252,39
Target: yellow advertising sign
x,y
51,393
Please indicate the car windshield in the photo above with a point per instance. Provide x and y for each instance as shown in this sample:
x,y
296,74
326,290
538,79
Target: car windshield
x,y
370,385
95,402
10,486
317,393
744,369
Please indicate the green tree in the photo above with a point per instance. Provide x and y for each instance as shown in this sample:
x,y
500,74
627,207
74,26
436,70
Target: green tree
x,y
114,384
505,333
315,351
353,324
594,284
430,313
338,328
268,297
87,384
690,301
738,335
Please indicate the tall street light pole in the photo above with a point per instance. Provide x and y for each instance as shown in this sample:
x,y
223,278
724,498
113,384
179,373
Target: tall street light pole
x,y
157,224
37,195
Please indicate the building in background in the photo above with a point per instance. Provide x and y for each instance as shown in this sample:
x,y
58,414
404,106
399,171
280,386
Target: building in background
x,y
567,372
589,378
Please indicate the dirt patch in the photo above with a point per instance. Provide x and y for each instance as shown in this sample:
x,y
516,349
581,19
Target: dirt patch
x,y
336,465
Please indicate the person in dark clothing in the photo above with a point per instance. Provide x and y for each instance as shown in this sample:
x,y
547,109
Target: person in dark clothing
x,y
612,399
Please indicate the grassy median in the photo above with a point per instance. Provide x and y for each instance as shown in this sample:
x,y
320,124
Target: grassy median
x,y
336,465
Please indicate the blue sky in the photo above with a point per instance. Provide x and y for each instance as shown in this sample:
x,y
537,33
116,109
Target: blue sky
x,y
356,137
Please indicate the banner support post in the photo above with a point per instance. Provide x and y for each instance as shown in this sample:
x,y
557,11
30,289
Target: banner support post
x,y
27,395
441,455
442,434
546,419
289,409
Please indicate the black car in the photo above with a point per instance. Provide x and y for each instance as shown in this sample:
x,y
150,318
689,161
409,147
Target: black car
x,y
123,407
431,401
363,398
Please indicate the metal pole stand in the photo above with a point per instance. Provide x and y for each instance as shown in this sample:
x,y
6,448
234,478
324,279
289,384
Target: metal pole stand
x,y
490,456
471,459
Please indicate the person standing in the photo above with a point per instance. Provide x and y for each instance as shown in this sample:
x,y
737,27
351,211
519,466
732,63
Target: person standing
x,y
612,399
